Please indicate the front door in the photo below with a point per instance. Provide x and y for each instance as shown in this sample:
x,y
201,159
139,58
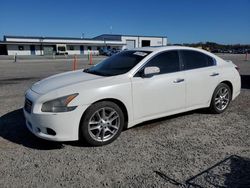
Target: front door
x,y
163,93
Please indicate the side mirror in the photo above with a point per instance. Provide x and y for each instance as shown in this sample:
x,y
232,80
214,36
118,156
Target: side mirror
x,y
150,71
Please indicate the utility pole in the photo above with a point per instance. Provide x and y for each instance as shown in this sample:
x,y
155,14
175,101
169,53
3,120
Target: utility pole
x,y
111,29
41,47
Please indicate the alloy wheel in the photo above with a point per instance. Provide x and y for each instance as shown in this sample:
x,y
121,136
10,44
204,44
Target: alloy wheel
x,y
104,124
222,98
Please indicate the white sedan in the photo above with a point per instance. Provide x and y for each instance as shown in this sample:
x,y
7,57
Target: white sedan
x,y
133,86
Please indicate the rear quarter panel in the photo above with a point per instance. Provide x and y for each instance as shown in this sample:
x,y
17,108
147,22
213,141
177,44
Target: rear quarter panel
x,y
229,73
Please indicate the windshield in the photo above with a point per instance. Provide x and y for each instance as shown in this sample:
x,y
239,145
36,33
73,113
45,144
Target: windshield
x,y
119,63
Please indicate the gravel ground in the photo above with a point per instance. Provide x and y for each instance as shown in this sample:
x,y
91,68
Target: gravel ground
x,y
189,149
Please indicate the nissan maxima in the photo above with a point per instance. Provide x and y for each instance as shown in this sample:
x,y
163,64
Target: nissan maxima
x,y
94,105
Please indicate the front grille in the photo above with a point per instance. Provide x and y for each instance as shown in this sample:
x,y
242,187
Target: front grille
x,y
28,105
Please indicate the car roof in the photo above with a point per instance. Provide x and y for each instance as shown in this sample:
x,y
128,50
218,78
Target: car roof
x,y
161,48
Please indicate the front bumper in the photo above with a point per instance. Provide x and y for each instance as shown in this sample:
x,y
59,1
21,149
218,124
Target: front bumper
x,y
65,125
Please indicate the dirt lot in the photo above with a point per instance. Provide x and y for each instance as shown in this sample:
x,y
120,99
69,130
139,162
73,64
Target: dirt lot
x,y
189,149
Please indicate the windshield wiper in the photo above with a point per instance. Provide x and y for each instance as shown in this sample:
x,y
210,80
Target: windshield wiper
x,y
96,72
86,70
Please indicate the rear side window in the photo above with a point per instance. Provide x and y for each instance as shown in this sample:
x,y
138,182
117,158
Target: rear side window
x,y
167,62
194,59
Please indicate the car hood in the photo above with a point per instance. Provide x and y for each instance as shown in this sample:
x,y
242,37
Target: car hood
x,y
62,80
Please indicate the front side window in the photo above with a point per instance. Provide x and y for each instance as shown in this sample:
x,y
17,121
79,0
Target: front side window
x,y
119,63
168,62
194,59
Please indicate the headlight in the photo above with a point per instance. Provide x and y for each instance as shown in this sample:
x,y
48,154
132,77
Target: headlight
x,y
59,104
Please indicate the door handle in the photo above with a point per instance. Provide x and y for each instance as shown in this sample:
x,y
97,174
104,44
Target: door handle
x,y
178,80
215,74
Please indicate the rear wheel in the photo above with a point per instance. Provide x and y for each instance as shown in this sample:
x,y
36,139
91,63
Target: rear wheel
x,y
102,123
221,98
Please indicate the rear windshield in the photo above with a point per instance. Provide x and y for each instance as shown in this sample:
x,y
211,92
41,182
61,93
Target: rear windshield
x,y
119,63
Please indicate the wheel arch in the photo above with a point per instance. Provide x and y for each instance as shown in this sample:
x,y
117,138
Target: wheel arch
x,y
227,82
116,101
212,107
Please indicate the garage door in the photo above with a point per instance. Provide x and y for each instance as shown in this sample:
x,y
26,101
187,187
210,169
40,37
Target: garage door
x,y
145,43
130,44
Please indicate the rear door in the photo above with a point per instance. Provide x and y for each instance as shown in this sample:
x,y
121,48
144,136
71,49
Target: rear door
x,y
201,74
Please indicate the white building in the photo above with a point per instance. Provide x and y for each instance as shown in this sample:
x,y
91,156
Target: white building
x,y
21,45
135,41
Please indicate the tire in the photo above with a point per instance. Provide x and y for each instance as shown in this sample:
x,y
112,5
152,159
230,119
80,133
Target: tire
x,y
221,99
102,123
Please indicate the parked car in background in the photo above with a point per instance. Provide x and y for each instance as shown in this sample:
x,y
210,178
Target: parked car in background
x,y
133,86
109,52
61,49
230,51
102,51
113,52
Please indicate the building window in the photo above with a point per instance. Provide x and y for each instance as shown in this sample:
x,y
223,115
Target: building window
x,y
20,48
89,48
71,47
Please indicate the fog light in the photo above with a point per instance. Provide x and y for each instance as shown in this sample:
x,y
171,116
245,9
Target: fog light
x,y
51,131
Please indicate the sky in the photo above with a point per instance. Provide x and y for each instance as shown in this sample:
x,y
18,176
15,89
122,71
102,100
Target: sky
x,y
182,21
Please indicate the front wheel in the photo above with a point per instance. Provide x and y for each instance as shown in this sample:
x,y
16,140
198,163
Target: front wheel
x,y
102,123
221,98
